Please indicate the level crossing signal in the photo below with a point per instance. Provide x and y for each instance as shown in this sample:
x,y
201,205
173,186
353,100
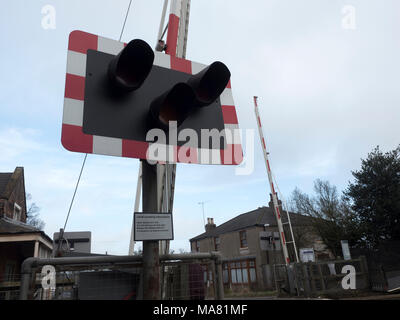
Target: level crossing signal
x,y
117,92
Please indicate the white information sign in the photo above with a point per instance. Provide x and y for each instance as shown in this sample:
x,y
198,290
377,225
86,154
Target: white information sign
x,y
345,250
307,254
153,226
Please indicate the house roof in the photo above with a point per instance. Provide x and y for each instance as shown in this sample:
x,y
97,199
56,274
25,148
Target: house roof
x,y
258,217
4,179
13,227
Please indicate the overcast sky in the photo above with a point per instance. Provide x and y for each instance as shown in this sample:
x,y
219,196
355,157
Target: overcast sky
x,y
328,94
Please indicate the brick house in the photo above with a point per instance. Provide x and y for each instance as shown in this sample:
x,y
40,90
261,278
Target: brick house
x,y
18,240
247,262
12,195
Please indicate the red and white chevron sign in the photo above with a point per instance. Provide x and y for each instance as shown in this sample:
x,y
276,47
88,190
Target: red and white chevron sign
x,y
74,139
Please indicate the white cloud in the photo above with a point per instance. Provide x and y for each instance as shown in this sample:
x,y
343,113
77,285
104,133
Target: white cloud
x,y
17,141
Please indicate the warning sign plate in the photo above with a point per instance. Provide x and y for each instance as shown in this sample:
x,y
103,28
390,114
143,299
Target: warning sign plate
x,y
153,226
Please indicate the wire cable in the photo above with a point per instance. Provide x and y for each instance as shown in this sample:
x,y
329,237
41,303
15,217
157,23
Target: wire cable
x,y
61,235
126,18
76,188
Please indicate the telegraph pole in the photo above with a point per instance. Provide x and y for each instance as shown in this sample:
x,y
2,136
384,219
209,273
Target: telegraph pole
x,y
151,258
151,190
150,200
159,47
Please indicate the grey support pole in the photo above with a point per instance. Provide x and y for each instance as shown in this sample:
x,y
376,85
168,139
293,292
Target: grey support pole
x,y
26,272
151,258
24,288
220,280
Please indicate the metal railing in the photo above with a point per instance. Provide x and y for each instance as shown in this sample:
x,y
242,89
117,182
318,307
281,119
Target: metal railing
x,y
183,276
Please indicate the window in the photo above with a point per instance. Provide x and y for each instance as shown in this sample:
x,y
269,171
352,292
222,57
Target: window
x,y
243,272
9,271
43,253
253,277
233,275
243,239
207,275
245,275
216,243
239,275
17,212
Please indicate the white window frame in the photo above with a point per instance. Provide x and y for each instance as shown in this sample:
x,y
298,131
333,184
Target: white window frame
x,y
17,212
217,243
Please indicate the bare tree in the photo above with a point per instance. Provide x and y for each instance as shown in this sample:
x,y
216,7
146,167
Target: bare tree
x,y
32,214
333,218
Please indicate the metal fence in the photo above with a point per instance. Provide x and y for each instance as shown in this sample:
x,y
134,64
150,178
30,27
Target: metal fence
x,y
94,283
9,287
313,278
189,281
182,277
384,265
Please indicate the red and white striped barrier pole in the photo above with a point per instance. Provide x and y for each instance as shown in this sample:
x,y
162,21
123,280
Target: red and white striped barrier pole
x,y
274,194
170,170
173,27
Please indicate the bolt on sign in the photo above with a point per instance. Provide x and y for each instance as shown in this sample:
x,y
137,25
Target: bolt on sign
x,y
125,100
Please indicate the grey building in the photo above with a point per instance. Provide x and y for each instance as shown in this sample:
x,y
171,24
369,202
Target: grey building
x,y
248,256
79,242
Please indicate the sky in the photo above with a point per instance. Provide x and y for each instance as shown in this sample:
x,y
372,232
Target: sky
x,y
326,73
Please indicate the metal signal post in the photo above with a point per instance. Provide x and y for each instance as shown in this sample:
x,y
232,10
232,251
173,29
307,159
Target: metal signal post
x,y
176,46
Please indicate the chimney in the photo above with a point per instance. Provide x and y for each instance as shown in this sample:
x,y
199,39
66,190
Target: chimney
x,y
271,203
210,224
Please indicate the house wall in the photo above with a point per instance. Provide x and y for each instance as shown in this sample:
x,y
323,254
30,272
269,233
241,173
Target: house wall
x,y
230,250
16,195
